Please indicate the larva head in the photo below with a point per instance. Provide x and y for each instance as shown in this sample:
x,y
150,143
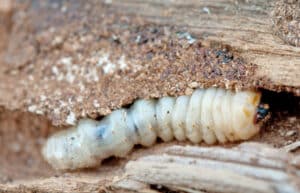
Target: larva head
x,y
262,113
244,112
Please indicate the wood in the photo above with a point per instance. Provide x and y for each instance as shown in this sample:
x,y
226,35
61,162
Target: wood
x,y
245,26
147,48
48,67
62,55
250,167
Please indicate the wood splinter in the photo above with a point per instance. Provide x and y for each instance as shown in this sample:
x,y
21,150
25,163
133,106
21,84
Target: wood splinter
x,y
248,168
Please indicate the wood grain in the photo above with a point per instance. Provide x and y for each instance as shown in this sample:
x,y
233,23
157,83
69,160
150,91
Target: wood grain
x,y
250,167
244,26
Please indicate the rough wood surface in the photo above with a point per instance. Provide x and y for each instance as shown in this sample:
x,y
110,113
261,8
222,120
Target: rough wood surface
x,y
245,26
249,167
69,60
63,60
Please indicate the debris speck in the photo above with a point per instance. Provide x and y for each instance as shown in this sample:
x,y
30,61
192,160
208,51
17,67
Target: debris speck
x,y
122,62
62,103
58,40
56,111
206,10
70,77
66,61
32,108
188,91
79,99
187,36
108,1
109,68
43,98
290,133
63,9
103,59
39,112
71,119
55,70
193,85
96,104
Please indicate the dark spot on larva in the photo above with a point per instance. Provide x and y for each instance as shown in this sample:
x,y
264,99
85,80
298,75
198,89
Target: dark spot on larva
x,y
101,131
72,138
136,129
168,112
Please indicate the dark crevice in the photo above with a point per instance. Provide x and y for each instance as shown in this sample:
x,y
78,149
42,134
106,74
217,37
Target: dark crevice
x,y
283,102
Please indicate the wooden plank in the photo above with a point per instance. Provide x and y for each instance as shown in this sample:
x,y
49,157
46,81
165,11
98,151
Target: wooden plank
x,y
184,168
206,169
245,26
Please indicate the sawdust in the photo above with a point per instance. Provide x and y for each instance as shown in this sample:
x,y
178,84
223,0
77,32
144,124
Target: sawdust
x,y
65,68
286,21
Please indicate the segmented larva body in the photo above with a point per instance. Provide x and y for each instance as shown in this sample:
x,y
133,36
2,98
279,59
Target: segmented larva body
x,y
210,115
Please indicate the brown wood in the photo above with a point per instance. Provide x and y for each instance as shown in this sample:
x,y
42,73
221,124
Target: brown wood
x,y
85,50
245,26
249,167
51,54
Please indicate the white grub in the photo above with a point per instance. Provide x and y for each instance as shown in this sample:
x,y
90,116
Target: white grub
x,y
210,115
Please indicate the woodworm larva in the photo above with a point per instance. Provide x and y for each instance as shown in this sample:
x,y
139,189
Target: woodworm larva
x,y
211,115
